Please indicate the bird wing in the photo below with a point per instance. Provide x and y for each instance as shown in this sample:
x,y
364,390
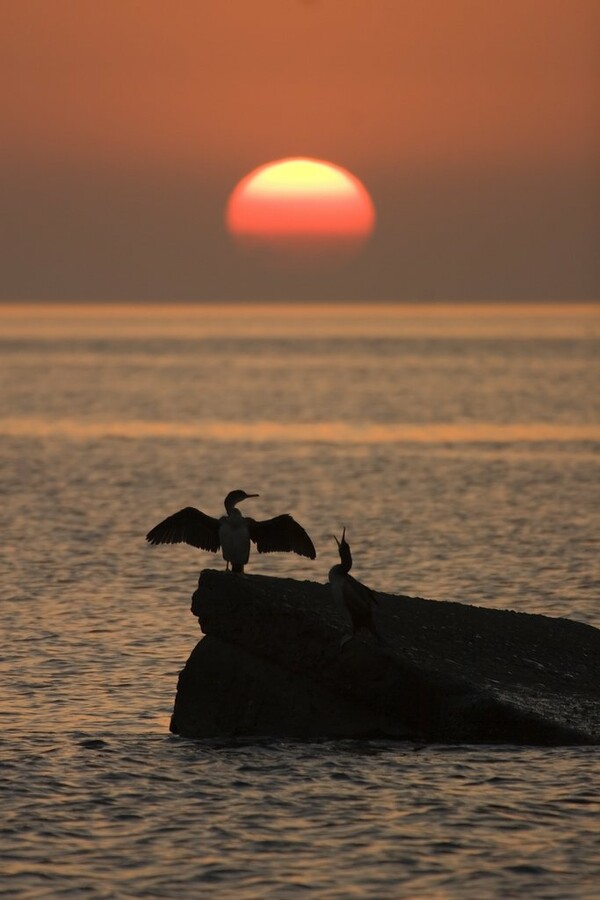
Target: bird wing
x,y
361,591
188,526
281,533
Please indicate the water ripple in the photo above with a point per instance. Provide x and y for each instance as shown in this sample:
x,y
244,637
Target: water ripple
x,y
457,448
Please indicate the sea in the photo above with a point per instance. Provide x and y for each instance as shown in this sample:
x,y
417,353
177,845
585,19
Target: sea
x,y
458,445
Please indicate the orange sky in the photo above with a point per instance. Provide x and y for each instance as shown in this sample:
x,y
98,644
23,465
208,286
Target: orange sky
x,y
432,99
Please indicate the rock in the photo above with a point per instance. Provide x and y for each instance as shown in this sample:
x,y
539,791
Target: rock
x,y
271,664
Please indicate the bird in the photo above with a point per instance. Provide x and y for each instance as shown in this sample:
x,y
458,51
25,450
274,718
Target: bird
x,y
233,532
357,599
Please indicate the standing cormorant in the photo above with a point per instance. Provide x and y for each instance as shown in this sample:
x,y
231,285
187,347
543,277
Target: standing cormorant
x,y
232,532
356,598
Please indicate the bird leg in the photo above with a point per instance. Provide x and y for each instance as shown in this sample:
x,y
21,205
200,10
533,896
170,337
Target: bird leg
x,y
346,638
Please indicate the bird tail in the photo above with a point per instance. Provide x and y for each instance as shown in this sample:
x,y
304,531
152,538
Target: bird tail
x,y
237,567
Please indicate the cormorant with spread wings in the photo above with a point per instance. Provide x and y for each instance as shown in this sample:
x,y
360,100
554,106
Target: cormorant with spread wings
x,y
233,532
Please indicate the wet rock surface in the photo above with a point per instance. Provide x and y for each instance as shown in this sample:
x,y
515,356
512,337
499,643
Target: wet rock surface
x,y
271,664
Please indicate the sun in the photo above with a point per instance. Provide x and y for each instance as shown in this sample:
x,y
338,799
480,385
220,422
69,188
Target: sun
x,y
302,207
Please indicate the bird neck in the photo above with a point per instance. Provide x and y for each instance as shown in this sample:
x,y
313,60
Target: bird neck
x,y
233,513
345,558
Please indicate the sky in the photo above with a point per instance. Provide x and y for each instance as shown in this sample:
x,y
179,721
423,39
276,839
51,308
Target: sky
x,y
126,124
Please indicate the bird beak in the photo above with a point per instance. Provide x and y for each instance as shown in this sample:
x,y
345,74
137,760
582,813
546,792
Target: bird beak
x,y
344,533
335,539
252,495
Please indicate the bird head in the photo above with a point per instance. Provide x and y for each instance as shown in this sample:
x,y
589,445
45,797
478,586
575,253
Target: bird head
x,y
344,551
235,497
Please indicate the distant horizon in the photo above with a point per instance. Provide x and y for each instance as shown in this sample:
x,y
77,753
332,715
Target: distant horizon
x,y
364,321
472,302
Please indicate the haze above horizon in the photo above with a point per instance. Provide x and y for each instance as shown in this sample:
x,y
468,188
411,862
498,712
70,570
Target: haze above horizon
x,y
473,127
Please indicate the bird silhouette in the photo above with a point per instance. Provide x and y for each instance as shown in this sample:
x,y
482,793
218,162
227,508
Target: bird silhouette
x,y
355,598
233,532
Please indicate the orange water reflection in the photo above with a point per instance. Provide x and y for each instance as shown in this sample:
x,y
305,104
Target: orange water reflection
x,y
324,432
432,320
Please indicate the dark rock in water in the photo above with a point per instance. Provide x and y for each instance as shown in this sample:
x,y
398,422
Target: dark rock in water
x,y
271,664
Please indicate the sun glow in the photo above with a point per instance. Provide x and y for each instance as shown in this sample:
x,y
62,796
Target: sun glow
x,y
300,203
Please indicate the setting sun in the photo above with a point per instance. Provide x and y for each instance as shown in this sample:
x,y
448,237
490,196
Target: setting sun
x,y
300,204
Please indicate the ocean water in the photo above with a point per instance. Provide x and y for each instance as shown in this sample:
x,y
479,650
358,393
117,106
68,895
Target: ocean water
x,y
458,445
